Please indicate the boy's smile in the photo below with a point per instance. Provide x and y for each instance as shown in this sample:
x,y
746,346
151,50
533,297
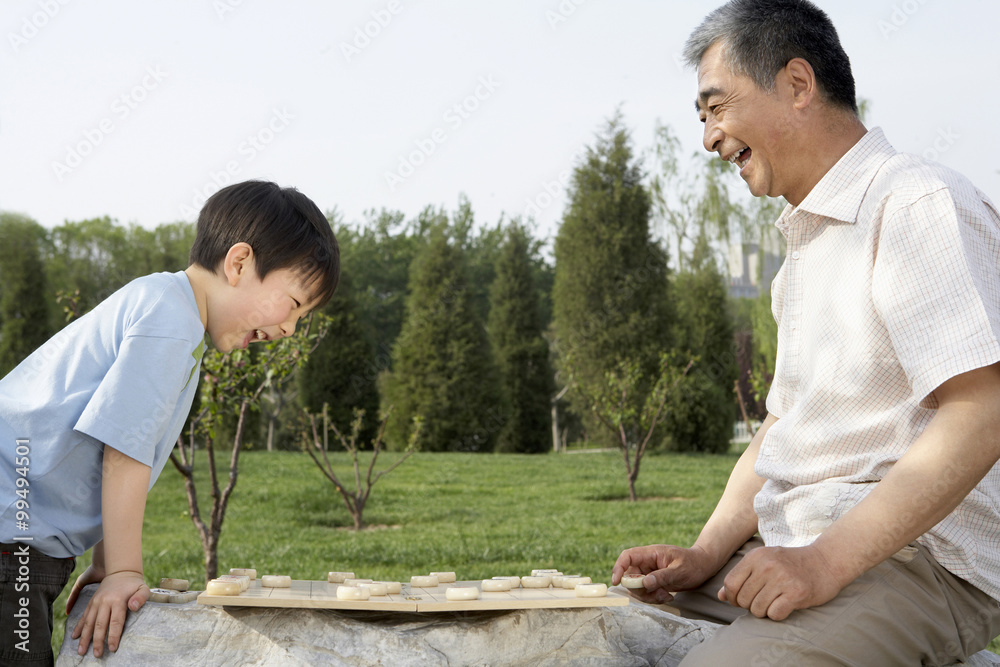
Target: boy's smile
x,y
245,309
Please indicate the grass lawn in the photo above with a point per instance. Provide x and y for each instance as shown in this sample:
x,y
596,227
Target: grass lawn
x,y
480,515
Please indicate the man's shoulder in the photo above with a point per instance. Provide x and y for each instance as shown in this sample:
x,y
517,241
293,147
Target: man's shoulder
x,y
905,178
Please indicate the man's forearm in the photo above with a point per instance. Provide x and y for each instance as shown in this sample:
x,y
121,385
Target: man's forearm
x,y
734,522
940,469
123,502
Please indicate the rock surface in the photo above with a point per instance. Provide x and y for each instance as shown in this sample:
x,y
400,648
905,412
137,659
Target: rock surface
x,y
192,634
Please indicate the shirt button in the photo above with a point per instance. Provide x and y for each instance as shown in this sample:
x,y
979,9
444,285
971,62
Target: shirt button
x,y
794,324
796,255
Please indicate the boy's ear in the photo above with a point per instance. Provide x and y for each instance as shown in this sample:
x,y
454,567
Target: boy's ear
x,y
238,263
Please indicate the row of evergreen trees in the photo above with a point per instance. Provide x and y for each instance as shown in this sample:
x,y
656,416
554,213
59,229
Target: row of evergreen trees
x,y
466,327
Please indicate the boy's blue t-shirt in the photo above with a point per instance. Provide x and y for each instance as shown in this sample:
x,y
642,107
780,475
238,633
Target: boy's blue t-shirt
x,y
125,375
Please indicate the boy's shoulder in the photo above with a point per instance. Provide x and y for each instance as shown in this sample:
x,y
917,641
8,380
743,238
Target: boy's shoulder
x,y
159,304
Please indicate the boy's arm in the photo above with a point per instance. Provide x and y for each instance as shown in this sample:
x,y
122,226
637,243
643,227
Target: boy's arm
x,y
123,502
92,575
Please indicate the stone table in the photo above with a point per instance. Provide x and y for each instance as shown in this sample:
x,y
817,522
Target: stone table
x,y
193,634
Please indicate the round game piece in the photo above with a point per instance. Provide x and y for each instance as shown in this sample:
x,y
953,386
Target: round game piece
x,y
241,579
445,577
456,593
338,577
633,580
179,585
536,582
515,582
573,582
496,585
557,580
160,594
542,573
591,590
352,593
276,581
355,582
391,587
217,587
418,581
376,590
246,571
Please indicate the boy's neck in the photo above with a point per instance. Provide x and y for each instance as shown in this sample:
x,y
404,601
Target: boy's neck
x,y
202,281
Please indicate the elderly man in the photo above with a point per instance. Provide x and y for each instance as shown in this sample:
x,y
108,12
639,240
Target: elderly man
x,y
873,482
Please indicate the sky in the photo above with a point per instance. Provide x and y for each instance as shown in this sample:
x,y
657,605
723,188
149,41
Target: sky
x,y
140,110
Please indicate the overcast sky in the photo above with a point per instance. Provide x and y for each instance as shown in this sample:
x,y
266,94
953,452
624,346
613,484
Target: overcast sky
x,y
137,110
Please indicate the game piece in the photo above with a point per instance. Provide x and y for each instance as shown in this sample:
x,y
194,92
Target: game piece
x,y
338,577
179,585
391,587
495,585
216,587
536,582
445,577
242,579
542,573
354,582
633,580
275,581
454,593
173,597
376,590
353,593
246,571
591,590
557,580
573,582
515,582
418,581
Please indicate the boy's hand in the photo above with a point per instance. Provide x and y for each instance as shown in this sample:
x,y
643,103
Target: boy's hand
x,y
105,615
92,575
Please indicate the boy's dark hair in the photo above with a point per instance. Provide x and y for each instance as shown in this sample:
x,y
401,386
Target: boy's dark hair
x,y
284,227
761,36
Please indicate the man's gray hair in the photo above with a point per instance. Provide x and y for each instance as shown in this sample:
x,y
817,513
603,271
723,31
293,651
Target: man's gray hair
x,y
759,37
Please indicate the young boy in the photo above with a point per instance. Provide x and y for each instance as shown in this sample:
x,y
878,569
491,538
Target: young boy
x,y
88,420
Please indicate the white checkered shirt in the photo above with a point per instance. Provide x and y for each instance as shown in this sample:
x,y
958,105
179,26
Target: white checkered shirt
x,y
890,287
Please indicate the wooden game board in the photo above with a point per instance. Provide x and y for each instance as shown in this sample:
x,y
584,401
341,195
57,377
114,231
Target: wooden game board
x,y
322,595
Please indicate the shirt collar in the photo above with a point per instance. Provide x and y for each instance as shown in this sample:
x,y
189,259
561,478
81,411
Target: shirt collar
x,y
839,193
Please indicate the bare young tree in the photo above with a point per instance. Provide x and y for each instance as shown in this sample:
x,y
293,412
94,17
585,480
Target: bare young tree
x,y
232,384
317,446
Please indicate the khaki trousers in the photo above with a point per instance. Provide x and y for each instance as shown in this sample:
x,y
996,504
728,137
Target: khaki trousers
x,y
906,611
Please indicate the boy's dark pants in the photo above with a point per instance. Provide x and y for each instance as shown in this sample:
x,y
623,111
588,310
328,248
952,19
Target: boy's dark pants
x,y
30,582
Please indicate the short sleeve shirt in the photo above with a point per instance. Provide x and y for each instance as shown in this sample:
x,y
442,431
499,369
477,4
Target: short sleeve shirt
x,y
890,287
123,375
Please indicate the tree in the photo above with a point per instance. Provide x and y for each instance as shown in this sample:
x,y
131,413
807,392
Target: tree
x,y
24,291
611,297
232,384
630,422
520,350
357,498
702,411
339,371
443,371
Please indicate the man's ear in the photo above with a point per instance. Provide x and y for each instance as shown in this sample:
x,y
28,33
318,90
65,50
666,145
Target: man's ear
x,y
801,80
238,263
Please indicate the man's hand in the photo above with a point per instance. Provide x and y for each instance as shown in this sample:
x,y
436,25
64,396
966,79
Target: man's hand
x,y
775,581
668,569
105,615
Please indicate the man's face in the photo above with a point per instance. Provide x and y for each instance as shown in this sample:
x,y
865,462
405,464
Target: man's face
x,y
743,124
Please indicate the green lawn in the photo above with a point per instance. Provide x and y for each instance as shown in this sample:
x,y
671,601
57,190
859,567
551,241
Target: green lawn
x,y
480,515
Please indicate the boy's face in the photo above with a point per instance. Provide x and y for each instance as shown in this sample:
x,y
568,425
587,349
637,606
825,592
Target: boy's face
x,y
252,309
